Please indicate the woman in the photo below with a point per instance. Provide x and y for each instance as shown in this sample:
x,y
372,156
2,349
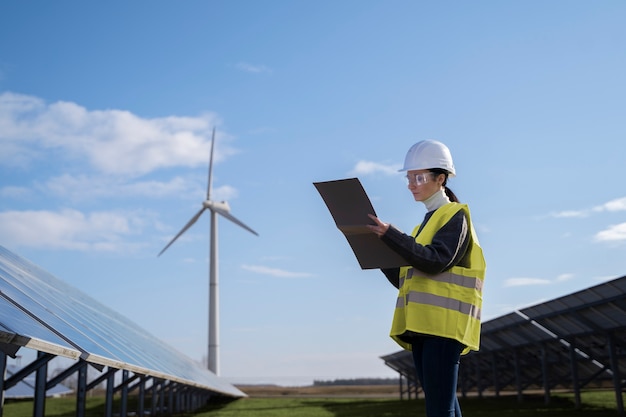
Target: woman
x,y
437,313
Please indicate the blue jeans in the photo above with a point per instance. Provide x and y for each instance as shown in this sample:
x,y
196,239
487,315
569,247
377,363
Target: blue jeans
x,y
437,365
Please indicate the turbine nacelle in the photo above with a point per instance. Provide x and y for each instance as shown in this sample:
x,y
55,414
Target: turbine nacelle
x,y
220,207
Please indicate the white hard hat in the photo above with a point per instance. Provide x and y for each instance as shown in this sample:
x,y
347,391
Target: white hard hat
x,y
429,154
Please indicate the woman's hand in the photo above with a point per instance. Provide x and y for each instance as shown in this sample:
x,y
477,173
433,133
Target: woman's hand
x,y
379,228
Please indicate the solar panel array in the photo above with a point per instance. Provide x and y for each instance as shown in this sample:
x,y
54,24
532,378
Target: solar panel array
x,y
41,312
575,341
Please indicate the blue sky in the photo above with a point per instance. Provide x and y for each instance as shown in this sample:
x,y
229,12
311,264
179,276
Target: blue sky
x,y
105,119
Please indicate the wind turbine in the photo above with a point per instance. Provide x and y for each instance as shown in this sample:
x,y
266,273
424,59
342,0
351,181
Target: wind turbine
x,y
222,208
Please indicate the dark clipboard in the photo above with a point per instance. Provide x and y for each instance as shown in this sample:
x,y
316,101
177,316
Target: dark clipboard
x,y
349,206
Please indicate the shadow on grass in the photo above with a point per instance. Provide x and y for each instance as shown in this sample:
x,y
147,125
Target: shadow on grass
x,y
95,407
562,405
531,406
374,408
260,407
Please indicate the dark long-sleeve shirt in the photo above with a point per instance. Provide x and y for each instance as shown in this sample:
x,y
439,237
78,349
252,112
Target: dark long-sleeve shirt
x,y
447,249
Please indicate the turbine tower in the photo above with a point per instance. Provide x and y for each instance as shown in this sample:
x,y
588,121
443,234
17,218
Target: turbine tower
x,y
222,208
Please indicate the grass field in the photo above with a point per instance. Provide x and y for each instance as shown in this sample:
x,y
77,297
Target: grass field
x,y
354,402
383,402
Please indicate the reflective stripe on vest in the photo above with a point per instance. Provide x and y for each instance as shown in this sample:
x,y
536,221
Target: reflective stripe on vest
x,y
439,301
448,304
450,278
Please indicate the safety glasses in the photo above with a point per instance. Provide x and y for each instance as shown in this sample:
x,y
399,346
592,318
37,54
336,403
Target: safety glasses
x,y
418,179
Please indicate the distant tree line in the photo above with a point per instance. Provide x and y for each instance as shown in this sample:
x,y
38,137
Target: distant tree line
x,y
358,381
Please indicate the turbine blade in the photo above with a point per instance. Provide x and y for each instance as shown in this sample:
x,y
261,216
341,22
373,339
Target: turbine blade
x,y
210,181
183,230
236,221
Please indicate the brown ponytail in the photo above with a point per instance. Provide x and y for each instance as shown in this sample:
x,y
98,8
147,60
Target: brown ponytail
x,y
449,193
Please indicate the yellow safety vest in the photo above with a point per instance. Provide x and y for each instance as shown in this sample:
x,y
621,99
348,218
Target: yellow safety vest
x,y
447,304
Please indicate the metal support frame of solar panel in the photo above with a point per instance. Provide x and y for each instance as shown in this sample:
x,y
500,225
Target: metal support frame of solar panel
x,y
39,311
527,349
24,387
548,349
403,364
593,322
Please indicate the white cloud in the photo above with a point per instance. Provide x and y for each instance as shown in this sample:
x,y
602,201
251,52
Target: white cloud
x,y
15,192
112,141
85,188
616,232
256,69
571,214
618,204
519,282
224,193
368,167
605,278
70,229
275,272
564,277
527,281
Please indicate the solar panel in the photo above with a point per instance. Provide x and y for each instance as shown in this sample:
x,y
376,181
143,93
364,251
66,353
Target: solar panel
x,y
539,346
18,328
40,311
